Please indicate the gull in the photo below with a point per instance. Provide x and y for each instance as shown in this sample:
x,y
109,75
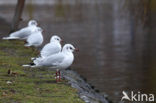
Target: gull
x,y
53,47
24,32
35,39
59,61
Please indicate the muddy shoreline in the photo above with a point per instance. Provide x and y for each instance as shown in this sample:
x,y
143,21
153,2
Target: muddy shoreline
x,y
85,91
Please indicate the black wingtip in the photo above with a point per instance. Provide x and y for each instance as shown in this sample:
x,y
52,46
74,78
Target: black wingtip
x,y
31,64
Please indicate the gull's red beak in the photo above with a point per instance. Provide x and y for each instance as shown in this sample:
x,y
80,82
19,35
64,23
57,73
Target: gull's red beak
x,y
61,41
76,49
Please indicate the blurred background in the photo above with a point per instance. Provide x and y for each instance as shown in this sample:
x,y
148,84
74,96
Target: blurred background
x,y
116,38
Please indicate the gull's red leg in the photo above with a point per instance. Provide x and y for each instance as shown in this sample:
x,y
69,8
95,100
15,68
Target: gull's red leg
x,y
59,76
56,77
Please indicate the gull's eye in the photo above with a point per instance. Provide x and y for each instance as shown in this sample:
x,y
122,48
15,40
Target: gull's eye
x,y
70,48
56,39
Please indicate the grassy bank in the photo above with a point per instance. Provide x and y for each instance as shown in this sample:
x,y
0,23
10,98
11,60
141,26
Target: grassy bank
x,y
29,85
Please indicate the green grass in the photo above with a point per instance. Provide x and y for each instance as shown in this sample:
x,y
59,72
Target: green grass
x,y
30,85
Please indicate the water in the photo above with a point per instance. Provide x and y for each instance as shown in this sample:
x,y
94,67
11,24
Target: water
x,y
116,52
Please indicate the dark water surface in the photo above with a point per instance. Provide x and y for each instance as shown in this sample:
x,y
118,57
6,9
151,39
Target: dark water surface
x,y
116,52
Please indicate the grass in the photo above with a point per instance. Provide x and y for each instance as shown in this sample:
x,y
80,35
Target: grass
x,y
29,85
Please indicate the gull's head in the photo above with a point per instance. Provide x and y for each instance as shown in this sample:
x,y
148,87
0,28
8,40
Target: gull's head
x,y
55,38
69,48
32,23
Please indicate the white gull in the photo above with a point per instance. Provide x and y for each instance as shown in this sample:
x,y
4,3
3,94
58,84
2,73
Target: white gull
x,y
36,38
59,61
53,47
24,32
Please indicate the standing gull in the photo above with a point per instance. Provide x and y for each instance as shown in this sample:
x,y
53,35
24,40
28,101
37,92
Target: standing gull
x,y
36,38
24,32
59,61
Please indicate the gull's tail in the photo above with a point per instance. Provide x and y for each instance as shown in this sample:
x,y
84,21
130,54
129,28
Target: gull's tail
x,y
26,65
35,63
8,38
33,58
32,65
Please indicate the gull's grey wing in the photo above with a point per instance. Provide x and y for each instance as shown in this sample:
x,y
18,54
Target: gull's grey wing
x,y
50,49
53,60
22,33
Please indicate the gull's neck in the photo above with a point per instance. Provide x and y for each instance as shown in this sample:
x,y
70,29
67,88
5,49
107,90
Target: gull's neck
x,y
32,25
66,51
53,41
